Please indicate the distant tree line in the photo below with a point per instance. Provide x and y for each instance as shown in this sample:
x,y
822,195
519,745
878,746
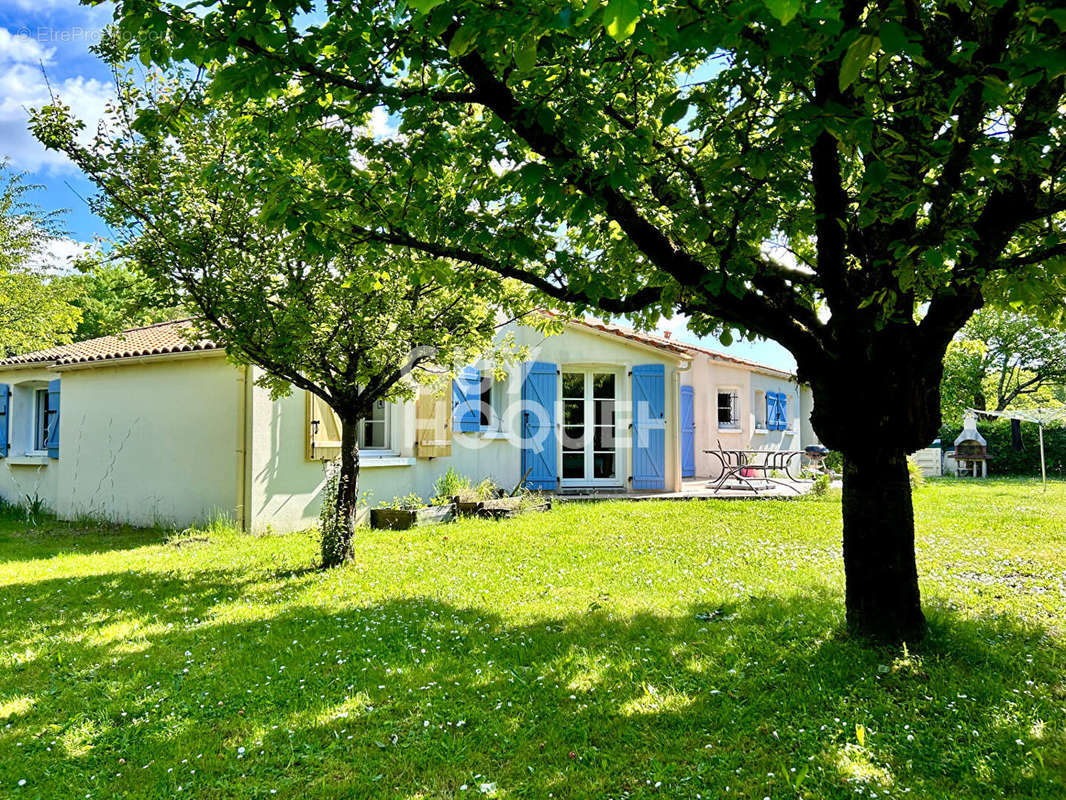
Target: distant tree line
x,y
44,304
1003,359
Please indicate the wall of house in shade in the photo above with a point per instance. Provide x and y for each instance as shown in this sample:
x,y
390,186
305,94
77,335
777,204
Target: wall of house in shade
x,y
151,442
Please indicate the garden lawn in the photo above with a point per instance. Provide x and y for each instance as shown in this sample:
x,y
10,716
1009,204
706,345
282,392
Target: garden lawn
x,y
653,649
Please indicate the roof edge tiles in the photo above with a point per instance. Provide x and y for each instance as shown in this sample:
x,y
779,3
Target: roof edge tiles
x,y
161,338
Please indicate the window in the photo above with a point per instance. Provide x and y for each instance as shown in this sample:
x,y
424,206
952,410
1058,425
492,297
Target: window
x,y
475,401
760,410
603,446
42,422
485,401
573,425
490,396
373,430
777,411
728,409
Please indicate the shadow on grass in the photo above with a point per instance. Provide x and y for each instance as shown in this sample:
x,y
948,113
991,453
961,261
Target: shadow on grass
x,y
48,537
231,689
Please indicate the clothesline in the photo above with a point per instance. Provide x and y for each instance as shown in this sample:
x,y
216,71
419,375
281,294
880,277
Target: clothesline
x,y
1041,416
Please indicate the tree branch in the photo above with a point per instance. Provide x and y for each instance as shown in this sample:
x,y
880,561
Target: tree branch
x,y
362,88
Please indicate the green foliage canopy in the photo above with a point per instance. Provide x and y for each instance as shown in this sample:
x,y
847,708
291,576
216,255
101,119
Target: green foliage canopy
x,y
35,308
646,158
353,324
114,296
1002,359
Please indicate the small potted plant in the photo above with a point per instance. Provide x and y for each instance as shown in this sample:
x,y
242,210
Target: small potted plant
x,y
410,511
451,487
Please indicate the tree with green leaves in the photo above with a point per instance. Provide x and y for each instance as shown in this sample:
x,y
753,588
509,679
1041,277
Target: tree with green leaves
x,y
850,179
962,384
1002,359
354,325
113,296
35,307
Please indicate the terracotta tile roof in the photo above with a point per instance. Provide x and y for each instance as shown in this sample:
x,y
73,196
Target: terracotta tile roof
x,y
683,348
151,340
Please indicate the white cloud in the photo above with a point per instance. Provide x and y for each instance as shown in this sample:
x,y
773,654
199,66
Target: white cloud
x,y
21,47
23,86
57,257
27,54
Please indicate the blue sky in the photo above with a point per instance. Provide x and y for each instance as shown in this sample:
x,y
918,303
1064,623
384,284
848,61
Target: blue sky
x,y
46,42
40,38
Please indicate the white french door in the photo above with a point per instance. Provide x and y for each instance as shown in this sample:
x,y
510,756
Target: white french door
x,y
590,437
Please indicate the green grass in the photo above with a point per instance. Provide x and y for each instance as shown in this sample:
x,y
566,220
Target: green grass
x,y
636,650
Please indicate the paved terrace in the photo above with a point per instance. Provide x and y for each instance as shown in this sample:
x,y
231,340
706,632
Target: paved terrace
x,y
699,489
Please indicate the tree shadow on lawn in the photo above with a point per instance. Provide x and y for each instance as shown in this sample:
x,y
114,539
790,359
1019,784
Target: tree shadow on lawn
x,y
416,697
49,537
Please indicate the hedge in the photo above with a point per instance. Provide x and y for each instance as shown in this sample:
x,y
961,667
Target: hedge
x,y
1004,459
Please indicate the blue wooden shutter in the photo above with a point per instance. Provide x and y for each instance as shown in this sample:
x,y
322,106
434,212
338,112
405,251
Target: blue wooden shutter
x,y
771,411
782,411
5,404
466,398
649,426
688,432
540,388
53,423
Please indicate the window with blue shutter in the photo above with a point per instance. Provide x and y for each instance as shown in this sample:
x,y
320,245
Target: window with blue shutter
x,y
466,399
540,389
649,426
5,404
782,411
771,411
53,419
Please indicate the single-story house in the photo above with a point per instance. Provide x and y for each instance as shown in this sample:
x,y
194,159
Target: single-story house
x,y
151,428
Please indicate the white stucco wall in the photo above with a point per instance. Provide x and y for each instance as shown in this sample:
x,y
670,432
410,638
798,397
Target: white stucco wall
x,y
807,434
151,442
24,476
285,487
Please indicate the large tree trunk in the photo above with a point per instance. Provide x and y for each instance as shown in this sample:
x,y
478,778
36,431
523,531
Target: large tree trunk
x,y
337,542
881,576
876,405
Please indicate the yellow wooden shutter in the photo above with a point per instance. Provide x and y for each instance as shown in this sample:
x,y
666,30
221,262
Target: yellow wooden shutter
x,y
433,423
323,444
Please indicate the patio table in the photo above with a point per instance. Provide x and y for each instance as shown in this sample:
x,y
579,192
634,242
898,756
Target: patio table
x,y
742,465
